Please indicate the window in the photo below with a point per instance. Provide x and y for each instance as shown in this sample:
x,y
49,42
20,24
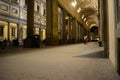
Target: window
x,y
1,31
13,32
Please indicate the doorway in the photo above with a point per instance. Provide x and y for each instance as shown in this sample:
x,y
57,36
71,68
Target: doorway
x,y
118,56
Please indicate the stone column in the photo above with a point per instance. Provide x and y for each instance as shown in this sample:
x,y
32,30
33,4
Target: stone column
x,y
20,33
8,34
79,32
64,28
100,29
52,37
8,31
69,20
105,27
74,30
70,29
30,24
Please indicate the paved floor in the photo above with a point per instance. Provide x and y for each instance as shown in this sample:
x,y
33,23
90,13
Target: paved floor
x,y
71,62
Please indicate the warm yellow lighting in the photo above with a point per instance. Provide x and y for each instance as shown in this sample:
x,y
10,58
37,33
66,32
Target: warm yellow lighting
x,y
79,9
83,16
13,24
24,32
5,30
44,34
86,22
84,19
37,31
66,17
3,23
74,3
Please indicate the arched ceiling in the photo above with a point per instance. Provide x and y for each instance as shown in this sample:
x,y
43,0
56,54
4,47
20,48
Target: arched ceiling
x,y
85,11
88,10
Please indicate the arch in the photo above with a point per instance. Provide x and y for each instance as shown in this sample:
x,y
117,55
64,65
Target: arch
x,y
94,33
93,25
94,29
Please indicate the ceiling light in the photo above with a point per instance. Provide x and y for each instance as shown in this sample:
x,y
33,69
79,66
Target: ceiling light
x,y
86,22
83,16
73,3
79,9
84,19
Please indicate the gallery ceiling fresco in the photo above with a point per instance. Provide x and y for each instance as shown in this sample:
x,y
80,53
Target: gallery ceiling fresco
x,y
88,10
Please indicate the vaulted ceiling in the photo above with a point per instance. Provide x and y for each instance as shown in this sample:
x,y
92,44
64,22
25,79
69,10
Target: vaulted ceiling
x,y
88,12
85,11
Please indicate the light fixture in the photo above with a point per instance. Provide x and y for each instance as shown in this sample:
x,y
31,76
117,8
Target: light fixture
x,y
84,19
79,9
83,16
73,3
86,22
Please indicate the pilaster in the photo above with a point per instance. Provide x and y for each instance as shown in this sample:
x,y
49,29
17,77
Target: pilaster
x,y
30,24
52,37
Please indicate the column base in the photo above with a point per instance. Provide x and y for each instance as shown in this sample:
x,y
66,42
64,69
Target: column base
x,y
32,42
28,43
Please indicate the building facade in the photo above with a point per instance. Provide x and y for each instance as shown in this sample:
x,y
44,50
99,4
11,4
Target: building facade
x,y
13,19
13,22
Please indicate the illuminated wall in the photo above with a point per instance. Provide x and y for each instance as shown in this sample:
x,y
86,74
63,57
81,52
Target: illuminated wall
x,y
24,32
13,31
5,30
111,24
14,12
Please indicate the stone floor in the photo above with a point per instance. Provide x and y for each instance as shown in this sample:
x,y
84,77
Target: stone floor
x,y
68,62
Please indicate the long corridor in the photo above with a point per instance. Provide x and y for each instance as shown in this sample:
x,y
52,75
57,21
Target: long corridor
x,y
68,62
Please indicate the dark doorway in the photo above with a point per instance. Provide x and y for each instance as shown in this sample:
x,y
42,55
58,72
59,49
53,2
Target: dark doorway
x,y
1,31
94,33
118,56
94,29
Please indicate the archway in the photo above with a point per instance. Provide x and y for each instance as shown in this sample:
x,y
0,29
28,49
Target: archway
x,y
94,33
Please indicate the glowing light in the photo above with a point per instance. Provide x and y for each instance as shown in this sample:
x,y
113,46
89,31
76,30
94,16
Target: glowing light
x,y
74,3
79,9
83,16
84,19
86,22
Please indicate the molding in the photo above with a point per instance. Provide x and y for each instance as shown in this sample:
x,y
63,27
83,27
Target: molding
x,y
9,19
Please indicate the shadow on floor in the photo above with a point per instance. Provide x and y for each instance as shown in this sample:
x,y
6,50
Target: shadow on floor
x,y
99,54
